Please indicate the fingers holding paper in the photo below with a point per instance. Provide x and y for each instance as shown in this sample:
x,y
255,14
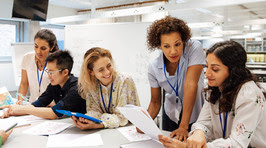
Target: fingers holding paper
x,y
171,142
85,124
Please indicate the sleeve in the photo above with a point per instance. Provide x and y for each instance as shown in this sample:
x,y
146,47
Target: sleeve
x,y
204,122
1,141
24,61
152,78
248,114
196,54
45,99
71,102
128,95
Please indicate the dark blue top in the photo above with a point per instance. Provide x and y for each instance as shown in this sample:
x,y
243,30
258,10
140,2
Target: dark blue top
x,y
66,98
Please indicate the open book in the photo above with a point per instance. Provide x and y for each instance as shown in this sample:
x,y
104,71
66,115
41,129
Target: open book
x,y
5,97
142,119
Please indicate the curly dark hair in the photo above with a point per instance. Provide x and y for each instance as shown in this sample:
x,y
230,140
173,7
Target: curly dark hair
x,y
234,56
165,26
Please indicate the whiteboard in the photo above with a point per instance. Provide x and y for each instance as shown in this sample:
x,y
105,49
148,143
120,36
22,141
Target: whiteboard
x,y
127,43
18,51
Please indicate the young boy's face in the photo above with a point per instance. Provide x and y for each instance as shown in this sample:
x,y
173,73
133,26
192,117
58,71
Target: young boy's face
x,y
56,76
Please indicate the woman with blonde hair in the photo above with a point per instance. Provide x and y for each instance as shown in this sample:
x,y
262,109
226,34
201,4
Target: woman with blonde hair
x,y
104,90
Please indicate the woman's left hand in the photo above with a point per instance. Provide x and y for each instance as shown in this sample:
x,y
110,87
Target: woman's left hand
x,y
181,133
171,142
85,124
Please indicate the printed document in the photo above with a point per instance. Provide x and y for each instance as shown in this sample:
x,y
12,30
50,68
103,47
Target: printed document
x,y
74,140
141,119
47,128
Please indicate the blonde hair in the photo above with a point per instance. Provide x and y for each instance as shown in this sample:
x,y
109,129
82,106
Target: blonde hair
x,y
86,81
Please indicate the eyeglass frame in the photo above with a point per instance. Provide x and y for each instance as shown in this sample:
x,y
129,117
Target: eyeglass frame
x,y
51,73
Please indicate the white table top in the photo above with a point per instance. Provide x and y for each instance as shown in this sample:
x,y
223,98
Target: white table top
x,y
112,138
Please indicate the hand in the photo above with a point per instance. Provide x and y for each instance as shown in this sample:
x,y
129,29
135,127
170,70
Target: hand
x,y
5,135
13,110
181,133
139,131
197,139
85,124
171,142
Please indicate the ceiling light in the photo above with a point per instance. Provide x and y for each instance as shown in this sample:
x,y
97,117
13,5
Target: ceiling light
x,y
203,10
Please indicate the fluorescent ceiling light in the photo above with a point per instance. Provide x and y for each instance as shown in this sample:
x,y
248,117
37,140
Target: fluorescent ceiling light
x,y
201,25
180,1
203,10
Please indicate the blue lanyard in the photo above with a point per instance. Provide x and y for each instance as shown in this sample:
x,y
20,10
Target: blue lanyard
x,y
40,80
225,122
176,90
109,98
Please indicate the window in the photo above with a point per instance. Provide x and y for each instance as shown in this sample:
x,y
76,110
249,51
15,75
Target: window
x,y
9,33
7,36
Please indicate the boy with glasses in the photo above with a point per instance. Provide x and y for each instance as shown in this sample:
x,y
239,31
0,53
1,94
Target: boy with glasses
x,y
62,90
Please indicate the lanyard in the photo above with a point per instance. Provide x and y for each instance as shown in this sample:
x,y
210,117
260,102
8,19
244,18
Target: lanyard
x,y
40,80
225,122
176,90
109,98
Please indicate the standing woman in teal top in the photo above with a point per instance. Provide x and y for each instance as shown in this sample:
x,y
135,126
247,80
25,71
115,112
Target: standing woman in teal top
x,y
4,136
178,71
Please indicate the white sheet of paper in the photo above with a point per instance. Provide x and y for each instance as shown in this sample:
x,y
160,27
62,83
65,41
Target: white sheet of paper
x,y
143,144
5,124
141,119
74,140
47,128
131,133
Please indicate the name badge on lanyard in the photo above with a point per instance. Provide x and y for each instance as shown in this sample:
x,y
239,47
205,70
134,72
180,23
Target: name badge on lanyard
x,y
40,79
174,89
225,122
110,98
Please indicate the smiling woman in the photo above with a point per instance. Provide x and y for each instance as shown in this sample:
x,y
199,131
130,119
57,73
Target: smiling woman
x,y
104,90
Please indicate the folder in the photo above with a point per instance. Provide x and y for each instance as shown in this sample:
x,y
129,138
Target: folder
x,y
68,113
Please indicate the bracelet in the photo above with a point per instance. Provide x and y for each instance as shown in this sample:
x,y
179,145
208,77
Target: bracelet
x,y
23,97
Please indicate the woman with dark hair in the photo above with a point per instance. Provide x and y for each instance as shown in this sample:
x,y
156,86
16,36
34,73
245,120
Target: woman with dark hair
x,y
234,114
178,71
33,66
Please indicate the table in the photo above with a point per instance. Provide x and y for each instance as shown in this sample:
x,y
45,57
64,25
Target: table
x,y
112,138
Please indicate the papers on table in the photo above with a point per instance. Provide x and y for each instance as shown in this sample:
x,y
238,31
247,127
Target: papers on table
x,y
6,124
141,119
131,133
143,144
74,140
47,128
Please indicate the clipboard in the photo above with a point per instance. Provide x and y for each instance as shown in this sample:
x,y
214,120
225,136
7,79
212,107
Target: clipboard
x,y
69,113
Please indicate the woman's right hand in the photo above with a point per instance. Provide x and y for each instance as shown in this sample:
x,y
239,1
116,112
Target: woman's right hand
x,y
5,135
85,124
197,140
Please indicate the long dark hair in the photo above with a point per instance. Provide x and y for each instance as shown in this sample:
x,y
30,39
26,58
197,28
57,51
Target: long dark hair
x,y
234,56
49,37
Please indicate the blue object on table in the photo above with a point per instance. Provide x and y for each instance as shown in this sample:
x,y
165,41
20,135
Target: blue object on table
x,y
69,113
